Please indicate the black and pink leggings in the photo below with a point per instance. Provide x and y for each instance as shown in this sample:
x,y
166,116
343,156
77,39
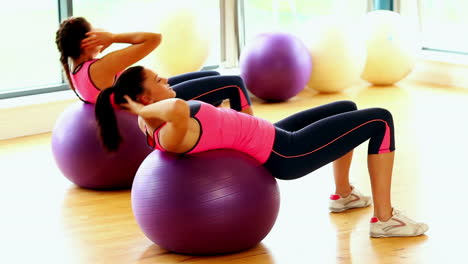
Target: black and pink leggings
x,y
313,138
211,87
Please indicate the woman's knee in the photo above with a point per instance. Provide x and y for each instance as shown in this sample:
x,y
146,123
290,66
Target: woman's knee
x,y
347,105
211,73
383,113
235,80
351,105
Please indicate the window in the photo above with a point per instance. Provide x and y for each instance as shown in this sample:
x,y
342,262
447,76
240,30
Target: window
x,y
30,59
293,16
443,24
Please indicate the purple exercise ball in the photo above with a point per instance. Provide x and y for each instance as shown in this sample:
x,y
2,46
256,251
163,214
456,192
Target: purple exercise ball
x,y
208,203
275,66
81,156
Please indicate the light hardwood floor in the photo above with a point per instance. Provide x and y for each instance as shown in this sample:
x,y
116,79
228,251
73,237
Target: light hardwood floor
x,y
46,219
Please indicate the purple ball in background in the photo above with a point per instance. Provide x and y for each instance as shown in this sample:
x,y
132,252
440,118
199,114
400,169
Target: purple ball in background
x,y
207,203
81,156
275,66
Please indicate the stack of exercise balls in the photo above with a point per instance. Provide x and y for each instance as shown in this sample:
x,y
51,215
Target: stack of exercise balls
x,y
275,66
380,48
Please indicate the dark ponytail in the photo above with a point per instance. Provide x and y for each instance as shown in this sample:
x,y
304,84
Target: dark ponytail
x,y
68,39
107,121
129,83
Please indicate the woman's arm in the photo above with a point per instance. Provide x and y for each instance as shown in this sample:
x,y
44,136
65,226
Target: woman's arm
x,y
111,64
174,112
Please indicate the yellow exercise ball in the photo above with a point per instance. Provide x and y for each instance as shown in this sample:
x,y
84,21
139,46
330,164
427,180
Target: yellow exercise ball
x,y
185,42
338,54
392,47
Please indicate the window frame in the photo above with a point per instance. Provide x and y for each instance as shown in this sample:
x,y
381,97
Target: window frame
x,y
384,5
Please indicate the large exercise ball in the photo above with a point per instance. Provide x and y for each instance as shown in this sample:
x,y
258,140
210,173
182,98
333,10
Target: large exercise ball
x,y
338,52
81,157
207,203
275,66
392,47
186,39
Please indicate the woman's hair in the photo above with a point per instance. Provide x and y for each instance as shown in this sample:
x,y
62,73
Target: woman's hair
x,y
129,83
68,39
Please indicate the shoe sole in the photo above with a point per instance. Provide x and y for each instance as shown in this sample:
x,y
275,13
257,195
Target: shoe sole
x,y
339,210
380,235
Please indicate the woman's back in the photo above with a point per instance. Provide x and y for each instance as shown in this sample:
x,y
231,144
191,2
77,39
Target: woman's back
x,y
84,83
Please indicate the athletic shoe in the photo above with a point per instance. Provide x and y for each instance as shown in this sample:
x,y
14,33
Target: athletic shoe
x,y
354,200
397,226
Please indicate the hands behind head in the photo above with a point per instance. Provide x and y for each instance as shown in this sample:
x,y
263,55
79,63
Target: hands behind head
x,y
97,38
132,106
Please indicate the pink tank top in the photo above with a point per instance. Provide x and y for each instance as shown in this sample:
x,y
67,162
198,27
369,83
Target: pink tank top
x,y
84,85
223,128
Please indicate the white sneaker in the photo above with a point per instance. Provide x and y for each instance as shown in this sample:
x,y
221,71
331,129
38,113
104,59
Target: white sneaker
x,y
397,226
354,200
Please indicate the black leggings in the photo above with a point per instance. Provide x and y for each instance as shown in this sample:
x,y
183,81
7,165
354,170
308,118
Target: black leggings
x,y
190,76
211,87
313,138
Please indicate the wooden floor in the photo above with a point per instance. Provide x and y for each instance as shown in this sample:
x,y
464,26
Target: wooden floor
x,y
46,219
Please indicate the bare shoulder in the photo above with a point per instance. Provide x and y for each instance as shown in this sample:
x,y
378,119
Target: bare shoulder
x,y
101,75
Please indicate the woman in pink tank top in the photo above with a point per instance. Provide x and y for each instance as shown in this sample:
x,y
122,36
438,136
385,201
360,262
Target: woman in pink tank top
x,y
289,149
80,44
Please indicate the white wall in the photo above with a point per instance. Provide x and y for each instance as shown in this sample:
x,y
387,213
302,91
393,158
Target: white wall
x,y
30,115
442,69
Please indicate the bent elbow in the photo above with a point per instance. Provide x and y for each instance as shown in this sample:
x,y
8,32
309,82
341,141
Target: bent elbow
x,y
156,39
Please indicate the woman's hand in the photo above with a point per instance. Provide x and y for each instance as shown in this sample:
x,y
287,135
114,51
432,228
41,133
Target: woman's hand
x,y
98,38
132,106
